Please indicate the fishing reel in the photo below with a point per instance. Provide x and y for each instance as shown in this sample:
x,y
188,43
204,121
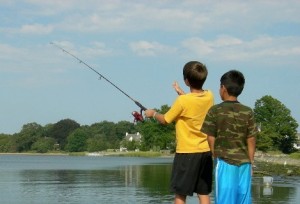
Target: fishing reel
x,y
138,117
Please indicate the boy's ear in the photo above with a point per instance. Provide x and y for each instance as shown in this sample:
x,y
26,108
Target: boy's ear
x,y
223,90
186,81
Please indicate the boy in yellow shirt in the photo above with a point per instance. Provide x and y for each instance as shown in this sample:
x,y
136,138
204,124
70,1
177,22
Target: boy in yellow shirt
x,y
192,166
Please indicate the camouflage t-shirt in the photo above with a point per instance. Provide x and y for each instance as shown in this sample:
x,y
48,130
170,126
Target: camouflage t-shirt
x,y
231,123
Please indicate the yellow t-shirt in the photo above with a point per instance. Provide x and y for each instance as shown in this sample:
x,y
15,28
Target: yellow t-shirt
x,y
189,111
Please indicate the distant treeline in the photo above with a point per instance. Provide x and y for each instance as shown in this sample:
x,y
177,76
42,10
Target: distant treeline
x,y
278,130
68,135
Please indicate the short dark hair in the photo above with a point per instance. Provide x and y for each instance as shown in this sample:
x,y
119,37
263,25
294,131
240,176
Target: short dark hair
x,y
234,82
195,72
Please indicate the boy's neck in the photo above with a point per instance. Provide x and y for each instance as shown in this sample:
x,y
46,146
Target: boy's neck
x,y
192,90
230,98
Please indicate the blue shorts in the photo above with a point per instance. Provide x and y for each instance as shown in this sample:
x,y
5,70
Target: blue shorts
x,y
232,183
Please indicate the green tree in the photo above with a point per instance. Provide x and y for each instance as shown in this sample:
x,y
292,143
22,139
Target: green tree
x,y
43,145
61,130
276,123
29,134
157,136
7,143
122,127
108,132
264,140
77,141
97,143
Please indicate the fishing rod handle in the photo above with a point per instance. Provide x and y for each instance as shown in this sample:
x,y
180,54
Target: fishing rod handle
x,y
140,105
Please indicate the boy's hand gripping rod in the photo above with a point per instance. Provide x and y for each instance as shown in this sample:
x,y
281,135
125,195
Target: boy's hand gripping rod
x,y
137,116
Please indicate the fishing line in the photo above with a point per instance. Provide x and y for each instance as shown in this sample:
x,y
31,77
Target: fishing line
x,y
106,79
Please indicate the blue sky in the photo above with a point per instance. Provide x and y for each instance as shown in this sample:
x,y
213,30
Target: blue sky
x,y
141,46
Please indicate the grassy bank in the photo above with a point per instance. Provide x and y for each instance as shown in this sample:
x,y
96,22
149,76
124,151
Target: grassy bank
x,y
274,169
278,158
138,154
276,163
132,154
104,153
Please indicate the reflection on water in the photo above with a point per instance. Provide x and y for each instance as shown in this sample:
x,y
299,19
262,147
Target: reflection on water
x,y
64,179
33,179
129,184
282,190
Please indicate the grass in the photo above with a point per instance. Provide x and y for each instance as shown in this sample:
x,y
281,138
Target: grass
x,y
77,154
138,154
264,168
295,155
123,154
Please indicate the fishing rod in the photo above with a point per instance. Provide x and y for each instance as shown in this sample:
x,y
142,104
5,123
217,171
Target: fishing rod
x,y
137,116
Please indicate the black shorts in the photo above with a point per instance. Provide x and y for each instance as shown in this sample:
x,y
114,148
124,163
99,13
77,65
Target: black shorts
x,y
192,173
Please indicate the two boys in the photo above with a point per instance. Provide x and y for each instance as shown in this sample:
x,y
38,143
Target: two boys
x,y
227,131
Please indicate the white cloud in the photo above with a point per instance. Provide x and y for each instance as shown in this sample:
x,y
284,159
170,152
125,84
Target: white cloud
x,y
227,41
93,50
8,52
97,49
92,23
36,29
112,16
198,46
179,16
231,48
145,48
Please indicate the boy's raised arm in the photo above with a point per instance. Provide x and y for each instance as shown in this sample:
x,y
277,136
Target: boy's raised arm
x,y
177,88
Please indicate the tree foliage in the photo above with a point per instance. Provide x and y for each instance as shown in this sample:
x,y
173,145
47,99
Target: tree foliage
x,y
7,143
69,135
77,141
278,132
122,127
29,134
61,130
278,127
97,144
43,145
157,136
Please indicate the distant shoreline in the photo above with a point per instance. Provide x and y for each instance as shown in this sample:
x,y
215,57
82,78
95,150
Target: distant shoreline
x,y
276,159
259,157
36,154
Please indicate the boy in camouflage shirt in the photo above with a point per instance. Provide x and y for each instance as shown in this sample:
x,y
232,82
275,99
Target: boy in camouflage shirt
x,y
231,132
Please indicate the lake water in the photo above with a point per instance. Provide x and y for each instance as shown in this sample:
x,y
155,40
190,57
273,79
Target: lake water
x,y
78,180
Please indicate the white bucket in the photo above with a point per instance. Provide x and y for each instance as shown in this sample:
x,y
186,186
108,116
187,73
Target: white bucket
x,y
267,191
268,180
